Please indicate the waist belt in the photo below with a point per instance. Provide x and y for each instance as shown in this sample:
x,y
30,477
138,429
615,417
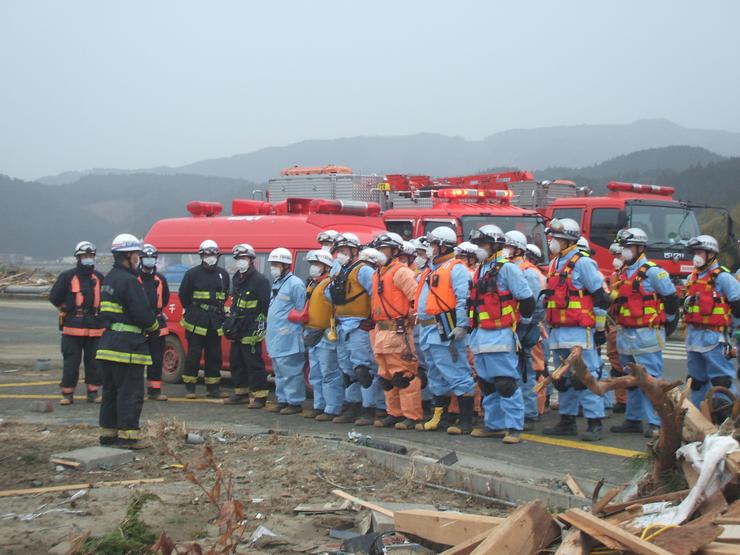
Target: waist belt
x,y
126,327
386,325
425,322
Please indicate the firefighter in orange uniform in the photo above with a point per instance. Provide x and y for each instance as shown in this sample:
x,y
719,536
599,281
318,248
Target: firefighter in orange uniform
x,y
76,293
394,288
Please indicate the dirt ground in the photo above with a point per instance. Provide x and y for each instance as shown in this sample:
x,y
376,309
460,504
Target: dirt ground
x,y
271,475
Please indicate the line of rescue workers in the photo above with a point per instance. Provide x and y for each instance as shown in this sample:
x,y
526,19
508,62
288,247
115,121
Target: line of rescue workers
x,y
410,335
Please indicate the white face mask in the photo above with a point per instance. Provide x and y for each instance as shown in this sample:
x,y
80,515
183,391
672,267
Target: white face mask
x,y
87,262
430,252
381,259
420,261
617,263
554,246
210,260
342,258
242,264
275,272
148,261
699,260
315,271
627,255
506,253
326,248
481,254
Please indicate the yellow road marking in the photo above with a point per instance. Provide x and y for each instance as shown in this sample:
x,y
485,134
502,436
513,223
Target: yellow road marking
x,y
27,384
47,396
594,448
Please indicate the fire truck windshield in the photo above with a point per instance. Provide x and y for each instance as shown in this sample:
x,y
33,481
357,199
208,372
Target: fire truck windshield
x,y
665,224
532,226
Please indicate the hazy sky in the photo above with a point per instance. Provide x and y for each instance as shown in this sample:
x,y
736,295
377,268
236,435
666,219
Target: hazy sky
x,y
133,84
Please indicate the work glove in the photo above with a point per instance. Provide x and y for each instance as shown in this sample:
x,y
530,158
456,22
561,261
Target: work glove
x,y
600,337
458,334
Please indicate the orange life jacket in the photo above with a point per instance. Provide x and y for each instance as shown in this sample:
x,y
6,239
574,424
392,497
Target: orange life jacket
x,y
388,301
707,306
637,308
490,307
441,296
565,304
527,265
76,289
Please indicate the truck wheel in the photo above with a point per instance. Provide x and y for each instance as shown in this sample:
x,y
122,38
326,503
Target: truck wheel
x,y
173,363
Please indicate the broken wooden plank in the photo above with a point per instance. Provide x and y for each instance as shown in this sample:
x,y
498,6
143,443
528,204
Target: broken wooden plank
x,y
466,547
591,531
527,530
362,503
319,508
732,464
730,534
604,500
719,548
695,426
581,519
672,496
575,542
65,462
89,485
573,486
443,527
686,539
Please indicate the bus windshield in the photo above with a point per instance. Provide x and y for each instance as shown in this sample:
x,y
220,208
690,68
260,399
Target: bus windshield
x,y
665,224
533,227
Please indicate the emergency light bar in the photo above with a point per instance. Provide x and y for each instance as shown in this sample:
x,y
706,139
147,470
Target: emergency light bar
x,y
344,207
618,186
201,209
451,194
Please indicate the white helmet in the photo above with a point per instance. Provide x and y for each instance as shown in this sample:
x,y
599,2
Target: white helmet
x,y
85,247
345,240
243,249
125,242
320,256
208,246
420,243
582,243
632,236
534,251
374,256
487,234
515,239
466,247
282,255
326,236
443,236
566,228
408,249
149,250
389,239
703,242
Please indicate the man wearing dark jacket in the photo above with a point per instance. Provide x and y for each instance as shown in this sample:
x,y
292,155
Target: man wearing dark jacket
x,y
158,294
76,293
123,351
203,292
245,327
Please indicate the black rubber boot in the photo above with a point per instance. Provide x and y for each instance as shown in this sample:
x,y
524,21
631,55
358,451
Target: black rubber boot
x,y
465,421
387,422
566,427
594,430
627,427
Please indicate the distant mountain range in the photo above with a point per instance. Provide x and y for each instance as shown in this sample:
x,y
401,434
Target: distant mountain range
x,y
47,220
577,146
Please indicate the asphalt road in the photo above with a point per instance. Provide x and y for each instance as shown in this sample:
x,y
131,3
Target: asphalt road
x,y
28,331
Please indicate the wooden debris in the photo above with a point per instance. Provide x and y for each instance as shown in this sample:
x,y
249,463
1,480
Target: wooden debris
x,y
66,462
599,506
673,496
575,542
695,426
719,548
89,485
687,539
362,503
730,534
466,547
320,508
574,487
575,354
443,527
526,531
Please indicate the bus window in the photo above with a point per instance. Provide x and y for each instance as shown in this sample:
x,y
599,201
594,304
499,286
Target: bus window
x,y
429,225
605,222
572,213
405,228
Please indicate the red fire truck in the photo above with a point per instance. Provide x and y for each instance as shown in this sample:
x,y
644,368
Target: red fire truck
x,y
293,223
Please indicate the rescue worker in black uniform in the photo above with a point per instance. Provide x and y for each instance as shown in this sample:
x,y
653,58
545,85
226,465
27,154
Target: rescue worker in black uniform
x,y
158,293
203,292
245,327
123,351
76,294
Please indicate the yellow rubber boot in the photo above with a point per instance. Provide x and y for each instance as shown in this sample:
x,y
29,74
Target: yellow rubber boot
x,y
433,423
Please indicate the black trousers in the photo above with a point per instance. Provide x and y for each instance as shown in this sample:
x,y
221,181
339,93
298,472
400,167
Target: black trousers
x,y
74,348
210,345
123,398
247,366
154,371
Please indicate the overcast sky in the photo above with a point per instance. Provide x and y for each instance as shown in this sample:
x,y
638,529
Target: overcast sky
x,y
137,84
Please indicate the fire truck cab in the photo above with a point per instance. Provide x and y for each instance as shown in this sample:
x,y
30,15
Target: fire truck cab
x,y
292,223
668,223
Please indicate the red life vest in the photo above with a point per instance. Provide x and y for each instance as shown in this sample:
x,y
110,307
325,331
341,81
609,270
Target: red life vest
x,y
637,308
76,289
707,307
490,307
565,304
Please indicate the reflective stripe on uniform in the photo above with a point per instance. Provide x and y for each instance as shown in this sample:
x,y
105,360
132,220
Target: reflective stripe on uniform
x,y
190,379
129,434
246,304
108,432
110,306
206,295
125,327
212,380
82,332
124,358
197,330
